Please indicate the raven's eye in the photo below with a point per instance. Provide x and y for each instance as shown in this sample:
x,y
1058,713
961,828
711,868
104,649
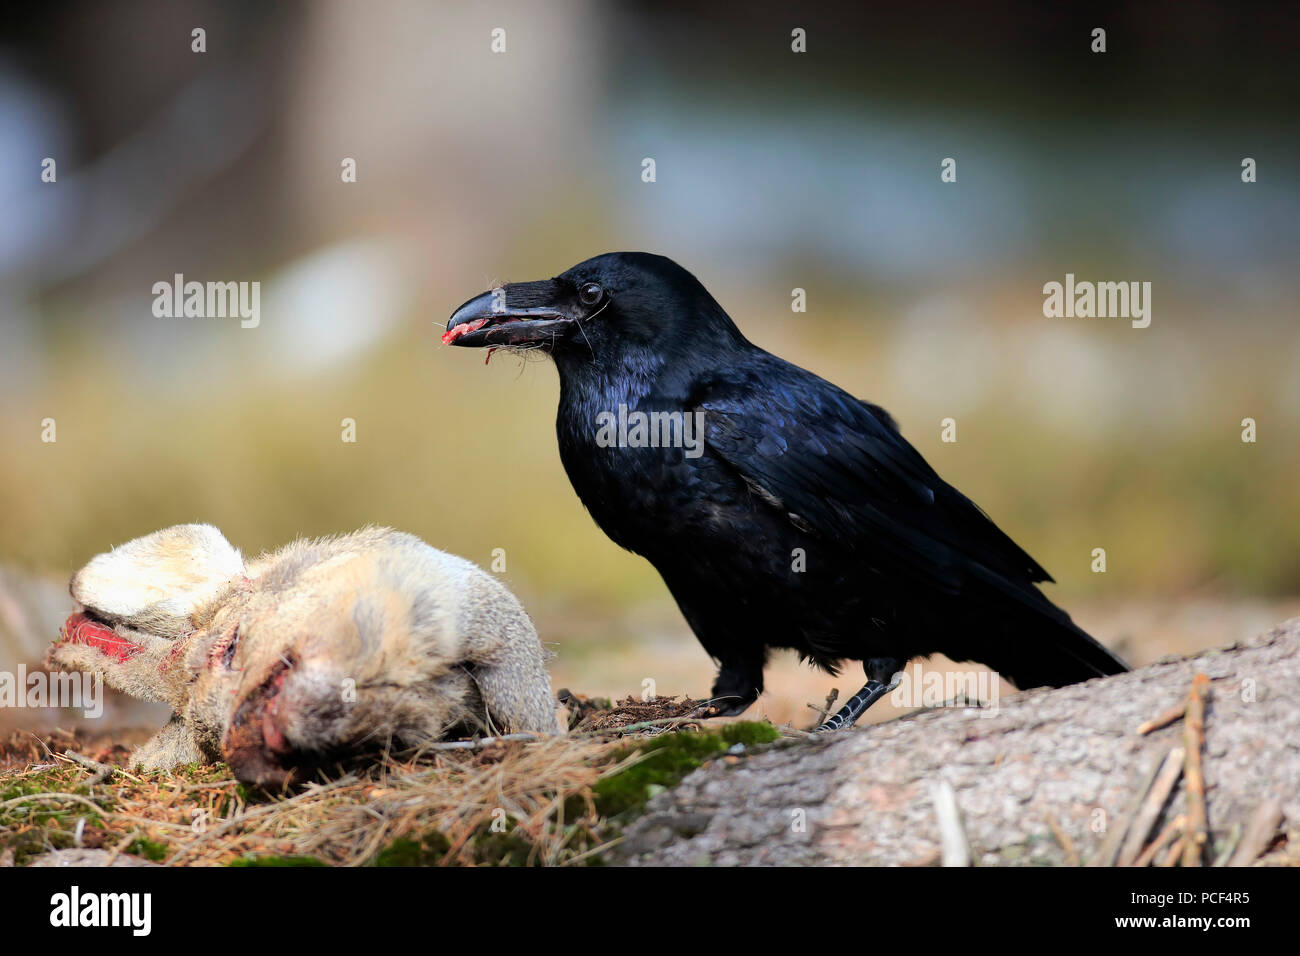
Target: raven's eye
x,y
589,293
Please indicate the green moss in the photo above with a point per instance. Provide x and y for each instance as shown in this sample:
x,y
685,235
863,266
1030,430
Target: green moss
x,y
278,861
204,772
402,852
47,781
254,796
667,759
751,733
504,849
428,850
149,849
490,849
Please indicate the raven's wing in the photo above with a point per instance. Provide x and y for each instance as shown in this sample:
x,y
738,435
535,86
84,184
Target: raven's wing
x,y
841,470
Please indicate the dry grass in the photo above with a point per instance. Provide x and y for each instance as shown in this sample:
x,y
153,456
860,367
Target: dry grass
x,y
510,802
434,809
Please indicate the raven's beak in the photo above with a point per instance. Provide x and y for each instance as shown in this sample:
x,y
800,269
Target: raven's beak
x,y
515,314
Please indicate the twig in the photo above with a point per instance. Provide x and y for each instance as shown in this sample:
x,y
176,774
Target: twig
x,y
244,816
53,795
952,838
102,770
1172,831
824,711
479,743
599,848
1063,838
639,725
1105,856
1259,833
1151,805
1174,853
1194,742
1164,720
120,846
43,744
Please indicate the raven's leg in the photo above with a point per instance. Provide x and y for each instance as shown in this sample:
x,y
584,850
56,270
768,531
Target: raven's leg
x,y
739,682
880,681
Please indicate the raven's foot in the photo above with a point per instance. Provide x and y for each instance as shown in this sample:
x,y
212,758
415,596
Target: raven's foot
x,y
737,686
857,705
722,707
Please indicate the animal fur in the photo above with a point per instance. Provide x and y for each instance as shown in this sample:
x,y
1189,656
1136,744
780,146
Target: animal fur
x,y
322,651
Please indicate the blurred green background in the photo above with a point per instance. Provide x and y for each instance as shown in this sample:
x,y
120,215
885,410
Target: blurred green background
x,y
775,170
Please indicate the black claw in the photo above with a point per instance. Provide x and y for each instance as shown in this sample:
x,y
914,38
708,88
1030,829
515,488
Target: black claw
x,y
724,707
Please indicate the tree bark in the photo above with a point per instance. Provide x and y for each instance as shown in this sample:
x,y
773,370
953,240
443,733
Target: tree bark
x,y
1043,780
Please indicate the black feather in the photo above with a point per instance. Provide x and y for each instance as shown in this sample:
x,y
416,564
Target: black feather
x,y
806,521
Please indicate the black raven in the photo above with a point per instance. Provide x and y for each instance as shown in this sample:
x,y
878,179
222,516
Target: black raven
x,y
798,518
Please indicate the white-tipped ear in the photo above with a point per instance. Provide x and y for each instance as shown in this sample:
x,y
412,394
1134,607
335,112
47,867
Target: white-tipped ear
x,y
161,578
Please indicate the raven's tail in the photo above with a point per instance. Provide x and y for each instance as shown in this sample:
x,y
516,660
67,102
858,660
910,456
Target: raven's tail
x,y
1053,653
1033,643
